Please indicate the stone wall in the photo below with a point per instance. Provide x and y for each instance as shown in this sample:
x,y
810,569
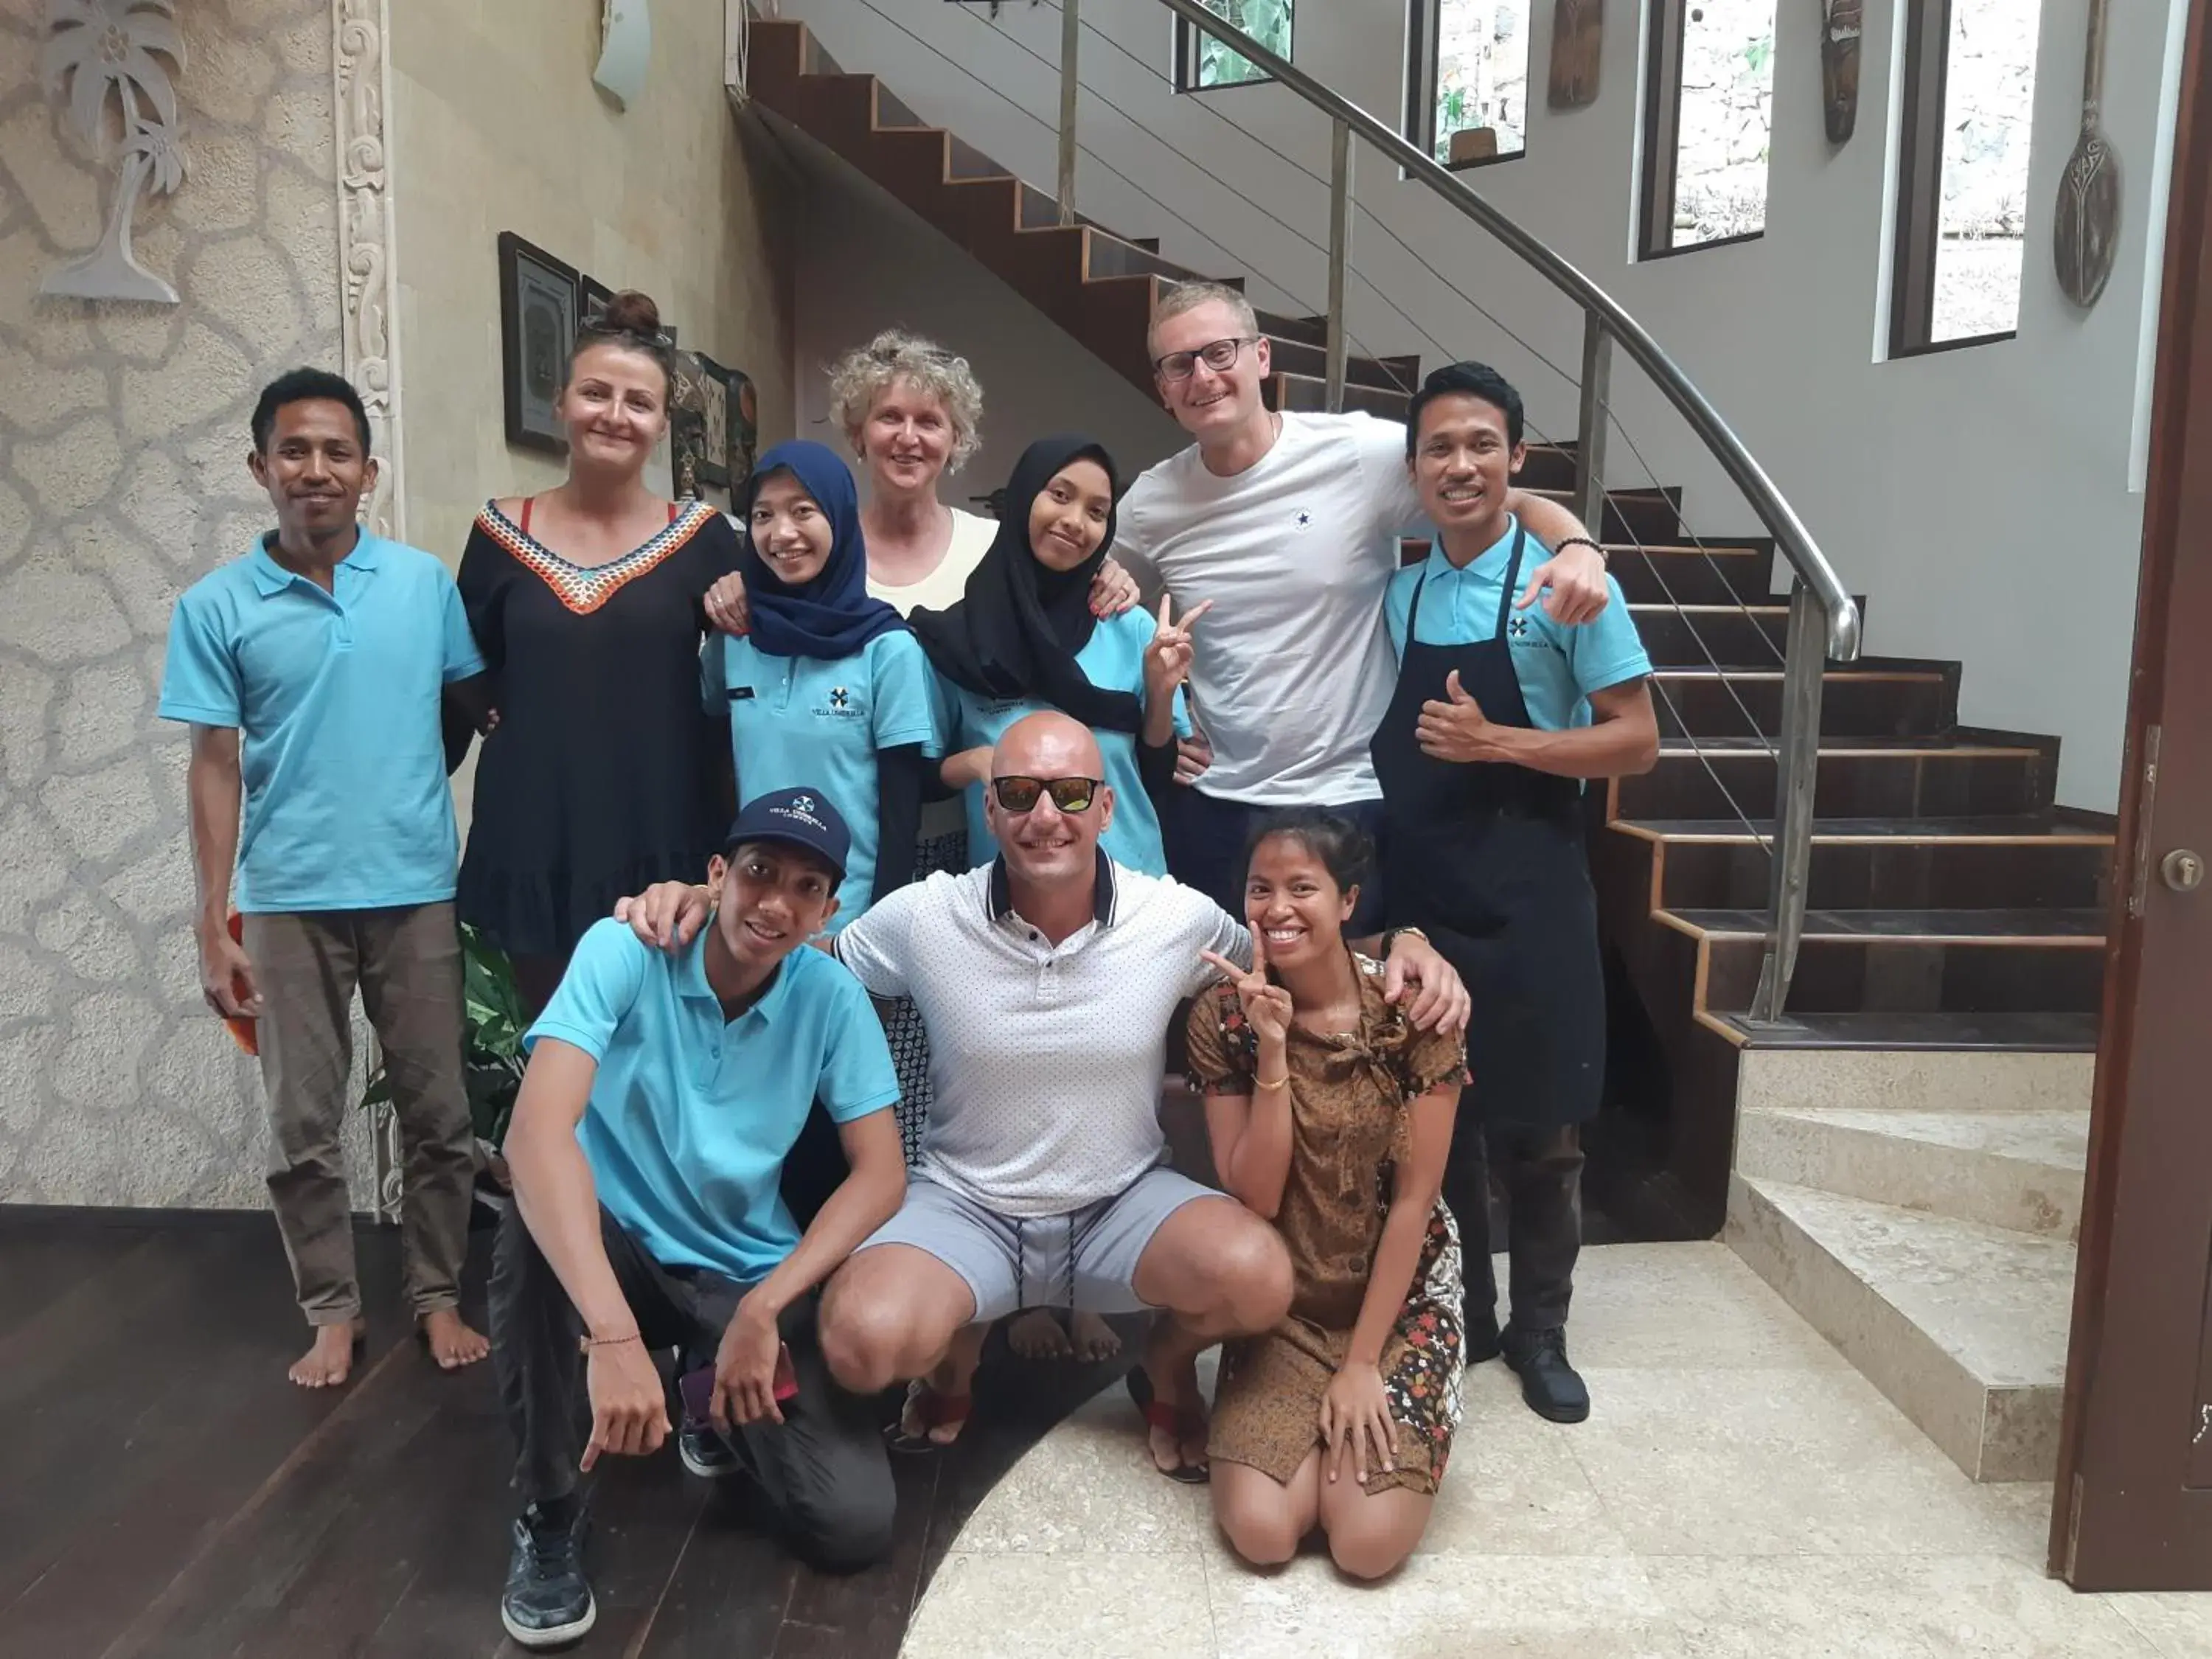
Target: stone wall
x,y
123,445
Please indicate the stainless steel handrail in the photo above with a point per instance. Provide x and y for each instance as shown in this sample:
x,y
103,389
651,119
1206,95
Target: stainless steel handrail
x,y
1780,519
1824,620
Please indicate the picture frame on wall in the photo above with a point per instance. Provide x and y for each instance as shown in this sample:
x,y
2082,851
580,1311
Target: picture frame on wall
x,y
539,297
715,408
689,467
593,296
745,427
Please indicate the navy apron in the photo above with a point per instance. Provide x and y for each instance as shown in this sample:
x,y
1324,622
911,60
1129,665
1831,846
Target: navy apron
x,y
1486,858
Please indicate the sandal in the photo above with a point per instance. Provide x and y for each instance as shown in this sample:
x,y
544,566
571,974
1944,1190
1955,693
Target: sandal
x,y
1183,1422
931,1410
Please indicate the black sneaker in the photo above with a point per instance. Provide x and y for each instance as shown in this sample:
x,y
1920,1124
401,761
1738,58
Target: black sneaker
x,y
548,1603
1549,1384
704,1452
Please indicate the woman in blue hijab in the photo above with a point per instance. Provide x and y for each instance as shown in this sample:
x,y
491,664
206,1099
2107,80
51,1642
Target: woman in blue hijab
x,y
828,691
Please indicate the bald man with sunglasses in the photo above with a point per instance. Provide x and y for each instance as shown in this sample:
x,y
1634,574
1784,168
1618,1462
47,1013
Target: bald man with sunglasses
x,y
1046,981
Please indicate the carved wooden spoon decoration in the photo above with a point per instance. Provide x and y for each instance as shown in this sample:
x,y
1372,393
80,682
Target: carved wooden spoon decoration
x,y
2089,190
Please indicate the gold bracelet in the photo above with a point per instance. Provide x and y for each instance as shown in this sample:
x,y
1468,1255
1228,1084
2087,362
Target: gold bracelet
x,y
1261,1083
587,1343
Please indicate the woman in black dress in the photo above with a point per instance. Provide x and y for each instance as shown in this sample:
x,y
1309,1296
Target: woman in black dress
x,y
588,604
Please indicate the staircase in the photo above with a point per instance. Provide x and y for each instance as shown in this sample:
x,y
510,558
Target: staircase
x,y
1900,1155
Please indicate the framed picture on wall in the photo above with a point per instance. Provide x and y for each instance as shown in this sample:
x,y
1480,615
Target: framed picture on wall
x,y
539,298
714,426
745,427
593,296
688,465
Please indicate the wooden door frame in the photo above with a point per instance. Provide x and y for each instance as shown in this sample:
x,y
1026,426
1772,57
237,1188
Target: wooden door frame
x,y
2116,1325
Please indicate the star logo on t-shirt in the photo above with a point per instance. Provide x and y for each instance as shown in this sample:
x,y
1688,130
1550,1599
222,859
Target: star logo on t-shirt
x,y
1303,518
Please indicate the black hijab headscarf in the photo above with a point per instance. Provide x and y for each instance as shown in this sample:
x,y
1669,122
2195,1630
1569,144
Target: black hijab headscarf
x,y
1018,625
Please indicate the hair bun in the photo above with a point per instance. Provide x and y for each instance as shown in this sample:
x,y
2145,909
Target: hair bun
x,y
630,313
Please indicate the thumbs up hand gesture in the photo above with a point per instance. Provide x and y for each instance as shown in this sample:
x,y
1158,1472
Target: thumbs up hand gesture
x,y
1455,729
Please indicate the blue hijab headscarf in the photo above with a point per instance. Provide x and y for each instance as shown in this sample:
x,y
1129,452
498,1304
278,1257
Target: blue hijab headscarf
x,y
831,616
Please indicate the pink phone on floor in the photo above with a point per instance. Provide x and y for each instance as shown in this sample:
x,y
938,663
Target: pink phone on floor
x,y
698,1386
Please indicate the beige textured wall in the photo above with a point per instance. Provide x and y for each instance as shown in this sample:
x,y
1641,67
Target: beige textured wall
x,y
123,441
497,126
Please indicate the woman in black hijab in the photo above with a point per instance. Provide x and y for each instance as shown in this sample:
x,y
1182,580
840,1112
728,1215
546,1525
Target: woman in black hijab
x,y
1022,640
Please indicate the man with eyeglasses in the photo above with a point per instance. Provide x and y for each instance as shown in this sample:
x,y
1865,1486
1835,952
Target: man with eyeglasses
x,y
1290,522
1047,979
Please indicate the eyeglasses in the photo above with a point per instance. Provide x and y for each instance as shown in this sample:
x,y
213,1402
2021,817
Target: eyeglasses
x,y
1217,355
1020,794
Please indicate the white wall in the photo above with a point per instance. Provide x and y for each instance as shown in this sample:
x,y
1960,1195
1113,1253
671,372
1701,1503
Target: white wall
x,y
865,263
1980,498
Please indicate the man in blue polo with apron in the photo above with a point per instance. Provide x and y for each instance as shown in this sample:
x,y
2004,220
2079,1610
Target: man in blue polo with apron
x,y
1498,717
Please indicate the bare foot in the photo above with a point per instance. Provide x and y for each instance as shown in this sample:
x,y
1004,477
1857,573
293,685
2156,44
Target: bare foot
x,y
330,1361
953,1381
1093,1337
1037,1334
453,1344
1174,1381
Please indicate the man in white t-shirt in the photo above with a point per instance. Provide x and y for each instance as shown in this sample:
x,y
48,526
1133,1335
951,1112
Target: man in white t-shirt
x,y
1289,524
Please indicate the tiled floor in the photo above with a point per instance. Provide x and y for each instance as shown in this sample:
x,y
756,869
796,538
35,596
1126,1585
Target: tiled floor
x,y
1739,1492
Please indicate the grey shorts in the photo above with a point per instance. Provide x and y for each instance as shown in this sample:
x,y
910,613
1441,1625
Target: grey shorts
x,y
1086,1259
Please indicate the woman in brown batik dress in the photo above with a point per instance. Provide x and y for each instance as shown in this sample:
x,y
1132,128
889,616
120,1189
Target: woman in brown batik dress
x,y
1331,1115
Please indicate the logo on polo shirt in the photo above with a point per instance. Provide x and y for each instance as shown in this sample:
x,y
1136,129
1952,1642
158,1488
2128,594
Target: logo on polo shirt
x,y
839,696
1517,629
838,705
1303,518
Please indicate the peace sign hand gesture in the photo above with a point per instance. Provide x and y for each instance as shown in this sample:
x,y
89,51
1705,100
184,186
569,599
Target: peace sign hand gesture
x,y
1168,658
1267,1004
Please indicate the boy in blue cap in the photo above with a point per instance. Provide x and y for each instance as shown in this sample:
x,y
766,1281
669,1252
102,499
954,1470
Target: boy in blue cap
x,y
664,1093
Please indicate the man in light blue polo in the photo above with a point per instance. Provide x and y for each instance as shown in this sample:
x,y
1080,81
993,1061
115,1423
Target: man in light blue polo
x,y
664,1092
314,672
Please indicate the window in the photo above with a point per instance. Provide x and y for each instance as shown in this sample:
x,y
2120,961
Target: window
x,y
1201,61
1969,97
1708,114
1466,79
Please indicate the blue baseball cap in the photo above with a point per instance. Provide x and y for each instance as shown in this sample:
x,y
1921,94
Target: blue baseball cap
x,y
797,818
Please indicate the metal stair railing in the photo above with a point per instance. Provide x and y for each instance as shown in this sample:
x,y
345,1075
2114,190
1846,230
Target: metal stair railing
x,y
1824,620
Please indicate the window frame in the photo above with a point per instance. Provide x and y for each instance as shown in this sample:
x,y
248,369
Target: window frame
x,y
1662,132
1184,67
1917,230
1418,120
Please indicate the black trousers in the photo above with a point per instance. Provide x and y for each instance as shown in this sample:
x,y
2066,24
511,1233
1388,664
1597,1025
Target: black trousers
x,y
1542,1172
824,1469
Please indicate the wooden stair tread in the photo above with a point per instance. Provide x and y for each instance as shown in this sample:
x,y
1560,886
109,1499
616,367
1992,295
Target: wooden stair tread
x,y
2004,829
2051,1033
2068,927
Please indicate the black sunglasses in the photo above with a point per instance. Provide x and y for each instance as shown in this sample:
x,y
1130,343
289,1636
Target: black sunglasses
x,y
1019,794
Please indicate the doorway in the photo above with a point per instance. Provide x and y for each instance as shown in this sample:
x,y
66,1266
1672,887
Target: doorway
x,y
2134,1508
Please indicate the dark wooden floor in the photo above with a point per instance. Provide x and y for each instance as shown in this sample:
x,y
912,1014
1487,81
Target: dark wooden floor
x,y
165,1492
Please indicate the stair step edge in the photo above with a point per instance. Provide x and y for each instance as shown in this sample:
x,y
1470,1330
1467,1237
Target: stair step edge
x,y
1998,1302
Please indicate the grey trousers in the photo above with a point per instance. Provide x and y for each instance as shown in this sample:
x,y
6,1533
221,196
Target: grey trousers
x,y
406,964
824,1469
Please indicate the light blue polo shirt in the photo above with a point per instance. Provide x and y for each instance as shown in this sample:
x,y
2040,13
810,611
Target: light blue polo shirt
x,y
336,700
691,1117
1113,659
1557,666
818,723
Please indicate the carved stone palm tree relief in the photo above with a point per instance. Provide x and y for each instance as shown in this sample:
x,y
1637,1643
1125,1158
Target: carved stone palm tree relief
x,y
101,61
